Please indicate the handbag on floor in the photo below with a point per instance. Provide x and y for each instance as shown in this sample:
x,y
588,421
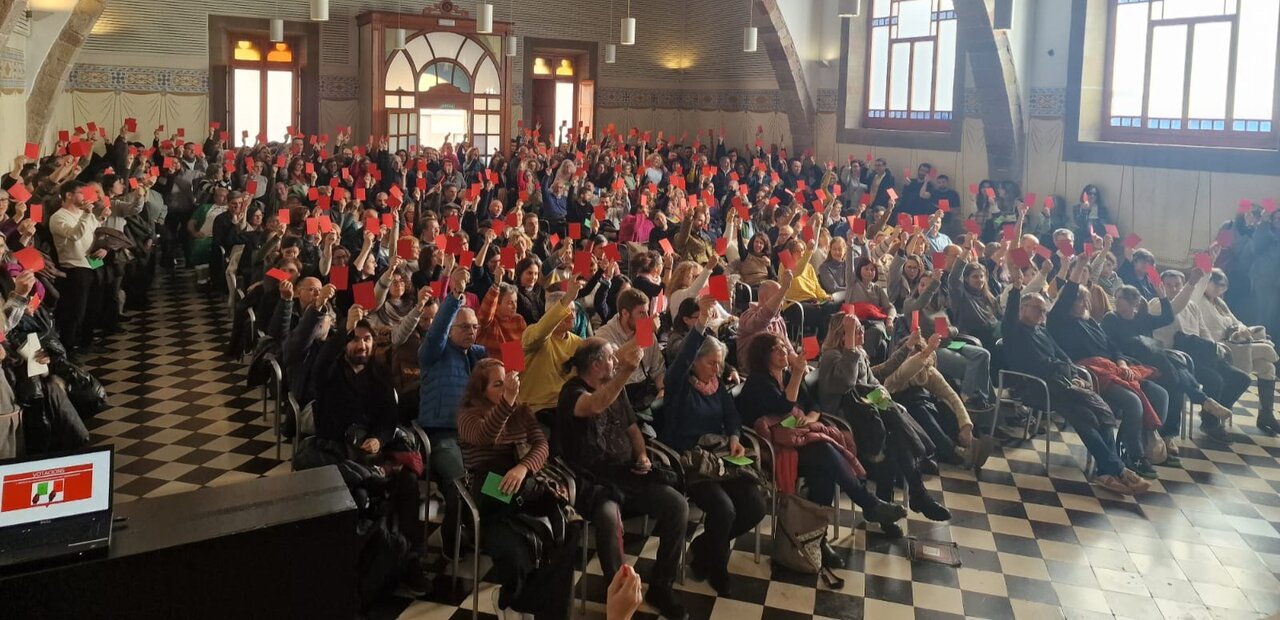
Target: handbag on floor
x,y
798,537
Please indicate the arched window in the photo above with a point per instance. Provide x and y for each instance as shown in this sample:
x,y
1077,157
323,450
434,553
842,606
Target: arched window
x,y
264,87
443,83
1192,72
911,65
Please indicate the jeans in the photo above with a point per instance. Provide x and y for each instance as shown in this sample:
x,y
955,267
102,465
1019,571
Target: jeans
x,y
972,364
823,469
664,504
898,466
733,507
446,466
1127,407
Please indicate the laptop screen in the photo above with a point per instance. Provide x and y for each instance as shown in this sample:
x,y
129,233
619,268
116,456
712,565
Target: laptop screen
x,y
56,487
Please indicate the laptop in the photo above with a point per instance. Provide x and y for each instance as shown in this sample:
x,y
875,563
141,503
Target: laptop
x,y
54,506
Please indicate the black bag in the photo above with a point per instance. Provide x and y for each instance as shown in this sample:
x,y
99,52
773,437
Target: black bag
x,y
642,394
84,390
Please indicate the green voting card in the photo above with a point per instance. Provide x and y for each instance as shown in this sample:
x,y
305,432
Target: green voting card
x,y
738,460
493,488
956,345
790,422
94,263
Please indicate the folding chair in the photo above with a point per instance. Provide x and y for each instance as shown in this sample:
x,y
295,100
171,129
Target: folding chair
x,y
275,381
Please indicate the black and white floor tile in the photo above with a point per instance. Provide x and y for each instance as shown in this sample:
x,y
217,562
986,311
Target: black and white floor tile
x,y
1204,543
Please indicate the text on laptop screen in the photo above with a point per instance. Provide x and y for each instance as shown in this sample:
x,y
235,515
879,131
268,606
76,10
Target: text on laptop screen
x,y
52,488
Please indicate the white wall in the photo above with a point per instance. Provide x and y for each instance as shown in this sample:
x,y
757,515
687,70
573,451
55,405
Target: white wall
x,y
45,27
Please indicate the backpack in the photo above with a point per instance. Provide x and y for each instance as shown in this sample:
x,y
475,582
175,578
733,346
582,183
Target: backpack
x,y
798,538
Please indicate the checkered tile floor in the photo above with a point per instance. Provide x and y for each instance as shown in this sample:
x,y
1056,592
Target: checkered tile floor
x,y
1204,543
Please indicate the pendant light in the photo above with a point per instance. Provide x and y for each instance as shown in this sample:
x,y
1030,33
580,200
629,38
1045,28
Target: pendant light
x,y
397,35
510,43
628,27
277,30
610,48
319,10
484,21
849,8
750,33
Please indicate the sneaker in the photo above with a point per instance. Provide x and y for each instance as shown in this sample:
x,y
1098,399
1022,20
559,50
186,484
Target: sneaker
x,y
1172,461
1135,483
1143,468
1215,409
1113,484
663,598
1171,446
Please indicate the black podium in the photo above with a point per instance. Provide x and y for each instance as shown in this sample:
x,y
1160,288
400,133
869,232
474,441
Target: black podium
x,y
278,547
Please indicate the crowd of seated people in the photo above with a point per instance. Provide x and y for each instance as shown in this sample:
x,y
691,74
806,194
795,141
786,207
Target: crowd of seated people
x,y
615,313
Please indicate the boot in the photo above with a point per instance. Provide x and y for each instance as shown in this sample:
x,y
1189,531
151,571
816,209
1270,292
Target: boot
x,y
1266,407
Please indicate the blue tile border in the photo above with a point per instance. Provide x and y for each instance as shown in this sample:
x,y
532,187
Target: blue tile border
x,y
13,69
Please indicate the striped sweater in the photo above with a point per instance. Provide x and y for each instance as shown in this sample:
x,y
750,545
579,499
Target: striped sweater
x,y
490,434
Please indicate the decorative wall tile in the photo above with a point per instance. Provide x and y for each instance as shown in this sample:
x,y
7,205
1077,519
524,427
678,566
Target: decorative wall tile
x,y
971,104
338,87
1048,102
728,100
12,69
828,100
138,79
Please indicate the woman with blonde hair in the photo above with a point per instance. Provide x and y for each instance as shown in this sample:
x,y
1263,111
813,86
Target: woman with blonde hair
x,y
1251,347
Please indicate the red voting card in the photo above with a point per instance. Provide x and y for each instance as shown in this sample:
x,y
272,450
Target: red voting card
x,y
811,348
644,333
64,136
973,228
1132,241
19,193
371,225
787,259
31,259
575,230
915,321
719,286
388,220
32,151
722,245
1204,262
513,356
665,244
497,227
363,293
973,189
1009,233
1112,231
339,277
939,261
283,216
279,275
582,264
1152,275
1020,258
35,211
1064,246
1029,199
1088,250
990,192
454,246
507,256
405,247
452,223
465,261
359,194
857,225
611,252
1245,205
313,225
893,194
922,222
325,224
1226,237
1268,205
941,327
437,289
1043,252
905,222
944,205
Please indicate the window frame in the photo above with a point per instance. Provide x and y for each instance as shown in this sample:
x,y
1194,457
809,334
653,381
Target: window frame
x,y
931,125
263,67
1184,136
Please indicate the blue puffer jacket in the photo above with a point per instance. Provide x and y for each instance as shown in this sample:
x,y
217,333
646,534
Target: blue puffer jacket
x,y
445,370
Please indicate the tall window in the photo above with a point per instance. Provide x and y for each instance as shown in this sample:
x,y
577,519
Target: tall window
x,y
911,65
1193,72
264,88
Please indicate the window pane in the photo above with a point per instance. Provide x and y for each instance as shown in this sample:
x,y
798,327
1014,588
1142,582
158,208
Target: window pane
x,y
1209,60
1255,86
880,8
922,77
914,17
1168,68
879,60
279,102
471,52
899,76
246,50
446,44
1175,9
477,124
400,74
944,98
418,50
392,101
487,81
247,85
1128,68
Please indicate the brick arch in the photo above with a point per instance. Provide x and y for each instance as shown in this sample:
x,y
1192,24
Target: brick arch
x,y
999,98
789,72
56,66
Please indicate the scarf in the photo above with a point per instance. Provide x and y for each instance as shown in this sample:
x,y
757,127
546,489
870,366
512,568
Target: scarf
x,y
705,388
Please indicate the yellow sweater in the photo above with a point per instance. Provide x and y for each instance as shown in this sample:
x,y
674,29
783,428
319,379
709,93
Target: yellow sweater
x,y
544,358
805,285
